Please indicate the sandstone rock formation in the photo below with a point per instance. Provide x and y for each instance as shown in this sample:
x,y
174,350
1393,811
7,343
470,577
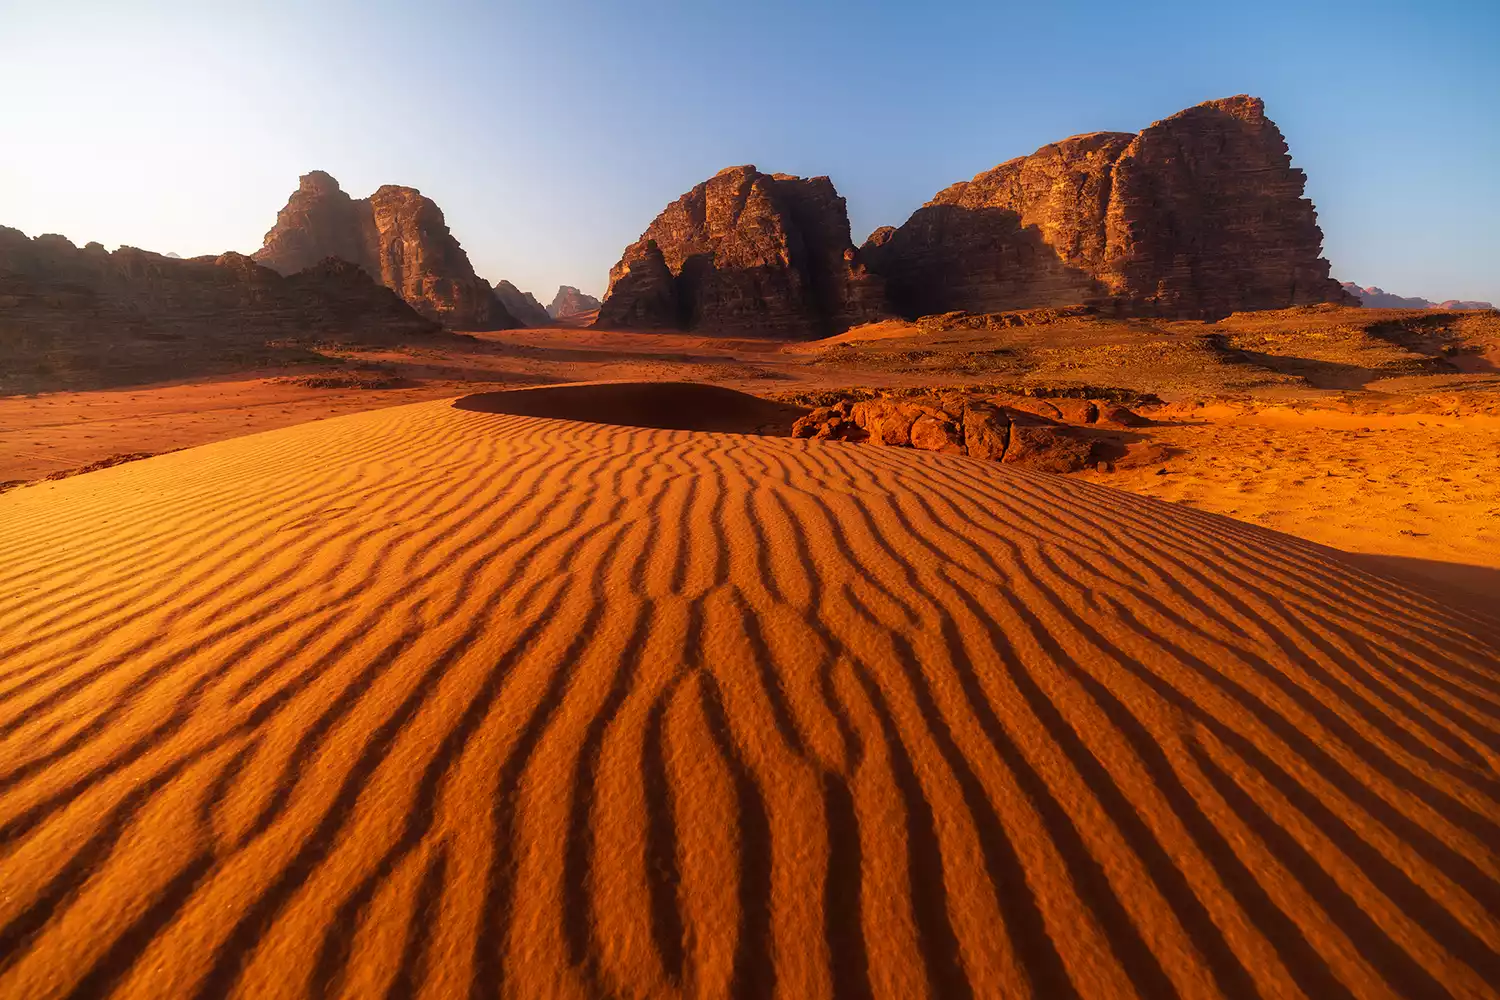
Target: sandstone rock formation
x,y
397,236
569,301
523,306
1197,216
1049,436
1378,298
87,317
746,253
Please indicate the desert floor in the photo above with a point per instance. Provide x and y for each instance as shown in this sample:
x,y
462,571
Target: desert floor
x,y
1411,479
442,700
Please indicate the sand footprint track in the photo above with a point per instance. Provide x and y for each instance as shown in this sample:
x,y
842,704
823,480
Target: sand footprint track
x,y
530,706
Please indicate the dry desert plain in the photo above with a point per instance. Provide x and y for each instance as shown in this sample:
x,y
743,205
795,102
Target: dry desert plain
x,y
402,683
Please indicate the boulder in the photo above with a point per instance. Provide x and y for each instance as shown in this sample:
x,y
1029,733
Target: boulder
x,y
746,253
1197,216
399,238
986,430
933,433
1121,416
1076,411
1047,448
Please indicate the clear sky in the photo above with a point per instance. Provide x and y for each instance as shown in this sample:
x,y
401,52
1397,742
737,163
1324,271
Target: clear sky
x,y
552,131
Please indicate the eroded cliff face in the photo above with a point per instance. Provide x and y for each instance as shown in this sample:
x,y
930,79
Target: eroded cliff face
x,y
746,253
397,236
1200,215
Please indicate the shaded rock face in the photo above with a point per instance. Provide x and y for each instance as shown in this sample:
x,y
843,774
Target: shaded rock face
x,y
523,306
87,317
569,301
746,253
1198,216
397,236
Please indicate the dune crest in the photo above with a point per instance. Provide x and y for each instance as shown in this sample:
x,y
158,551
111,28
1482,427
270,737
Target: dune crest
x,y
444,701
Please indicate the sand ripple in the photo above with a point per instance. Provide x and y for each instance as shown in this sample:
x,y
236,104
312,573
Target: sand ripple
x,y
435,702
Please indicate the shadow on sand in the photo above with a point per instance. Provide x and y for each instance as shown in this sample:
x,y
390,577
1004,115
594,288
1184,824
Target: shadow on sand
x,y
1474,587
673,406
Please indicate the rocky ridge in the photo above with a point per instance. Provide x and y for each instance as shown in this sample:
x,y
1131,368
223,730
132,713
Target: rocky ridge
x,y
1378,298
397,236
1198,216
87,317
746,253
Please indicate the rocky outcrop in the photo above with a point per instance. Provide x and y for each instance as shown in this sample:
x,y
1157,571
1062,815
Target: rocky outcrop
x,y
523,306
87,317
1379,298
397,236
569,301
746,253
1061,436
1198,216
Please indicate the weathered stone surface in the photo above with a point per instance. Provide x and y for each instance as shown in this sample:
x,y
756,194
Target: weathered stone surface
x,y
642,291
1198,216
87,317
1047,448
986,431
934,433
523,306
397,236
569,301
746,253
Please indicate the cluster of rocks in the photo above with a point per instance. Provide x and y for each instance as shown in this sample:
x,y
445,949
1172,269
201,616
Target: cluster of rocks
x,y
85,316
1058,435
746,252
1197,216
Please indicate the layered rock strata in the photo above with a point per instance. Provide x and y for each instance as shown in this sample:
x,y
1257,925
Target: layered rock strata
x,y
1199,215
398,236
746,253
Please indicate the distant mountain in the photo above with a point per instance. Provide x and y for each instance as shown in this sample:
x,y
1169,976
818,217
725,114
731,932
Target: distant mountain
x,y
569,301
522,305
174,256
1379,298
396,236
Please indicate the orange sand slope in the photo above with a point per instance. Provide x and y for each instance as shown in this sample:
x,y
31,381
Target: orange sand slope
x,y
434,702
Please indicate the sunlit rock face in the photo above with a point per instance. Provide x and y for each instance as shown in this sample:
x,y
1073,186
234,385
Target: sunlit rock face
x,y
746,252
1198,216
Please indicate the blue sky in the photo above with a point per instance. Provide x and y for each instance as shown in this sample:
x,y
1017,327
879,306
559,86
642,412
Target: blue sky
x,y
552,131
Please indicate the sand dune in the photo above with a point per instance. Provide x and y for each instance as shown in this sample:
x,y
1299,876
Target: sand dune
x,y
435,702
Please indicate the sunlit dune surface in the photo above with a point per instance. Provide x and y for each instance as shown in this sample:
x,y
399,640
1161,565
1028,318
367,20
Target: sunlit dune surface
x,y
432,701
